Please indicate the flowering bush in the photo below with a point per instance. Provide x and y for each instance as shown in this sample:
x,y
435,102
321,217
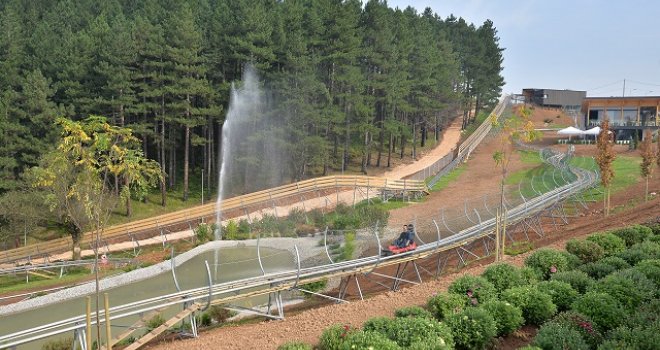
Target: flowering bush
x,y
556,336
633,235
333,336
562,294
587,251
597,270
443,304
413,311
507,317
295,346
476,288
579,280
651,269
503,276
581,323
406,331
367,340
610,242
545,261
474,328
606,312
536,306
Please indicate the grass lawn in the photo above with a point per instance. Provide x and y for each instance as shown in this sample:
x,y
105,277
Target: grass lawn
x,y
626,173
449,177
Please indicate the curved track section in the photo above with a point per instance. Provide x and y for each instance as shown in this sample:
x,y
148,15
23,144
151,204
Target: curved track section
x,y
573,181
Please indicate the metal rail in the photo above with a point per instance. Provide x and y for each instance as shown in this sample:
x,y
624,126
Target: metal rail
x,y
274,283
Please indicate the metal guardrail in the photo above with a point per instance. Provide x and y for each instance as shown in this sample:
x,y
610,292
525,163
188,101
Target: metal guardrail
x,y
269,283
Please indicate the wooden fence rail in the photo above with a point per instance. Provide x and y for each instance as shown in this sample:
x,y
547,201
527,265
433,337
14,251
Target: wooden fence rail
x,y
155,224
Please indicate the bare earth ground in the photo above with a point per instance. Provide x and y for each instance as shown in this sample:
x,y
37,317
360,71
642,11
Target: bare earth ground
x,y
480,177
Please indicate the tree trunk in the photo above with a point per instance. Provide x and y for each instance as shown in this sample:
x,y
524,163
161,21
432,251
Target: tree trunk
x,y
163,187
363,168
414,139
390,146
186,156
129,207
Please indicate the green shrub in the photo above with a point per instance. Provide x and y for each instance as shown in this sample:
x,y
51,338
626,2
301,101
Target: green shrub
x,y
611,243
632,338
295,346
630,287
645,316
219,314
430,344
547,262
536,306
654,239
155,322
314,287
508,317
360,340
632,235
597,270
378,324
562,294
204,320
333,336
473,328
573,261
582,324
556,336
59,344
406,331
529,275
655,227
651,269
443,305
579,280
615,261
606,312
530,347
476,288
587,251
413,311
204,232
503,276
641,251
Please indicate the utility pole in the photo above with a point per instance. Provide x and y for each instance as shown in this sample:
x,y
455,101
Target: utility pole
x,y
624,88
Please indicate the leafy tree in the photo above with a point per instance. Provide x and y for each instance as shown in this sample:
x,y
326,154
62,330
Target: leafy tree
x,y
76,176
604,157
648,158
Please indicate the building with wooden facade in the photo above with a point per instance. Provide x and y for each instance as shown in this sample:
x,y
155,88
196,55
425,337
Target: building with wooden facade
x,y
629,114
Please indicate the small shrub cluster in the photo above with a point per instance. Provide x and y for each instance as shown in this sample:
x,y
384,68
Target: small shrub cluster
x,y
562,294
473,328
587,251
557,336
547,262
651,269
476,288
366,340
629,287
611,243
582,324
507,317
413,311
633,235
409,330
443,305
573,261
503,276
537,307
597,270
603,309
295,346
579,280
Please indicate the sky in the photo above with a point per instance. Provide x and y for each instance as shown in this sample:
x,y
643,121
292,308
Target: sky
x,y
560,44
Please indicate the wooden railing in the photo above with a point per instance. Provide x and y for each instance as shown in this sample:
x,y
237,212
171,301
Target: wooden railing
x,y
154,224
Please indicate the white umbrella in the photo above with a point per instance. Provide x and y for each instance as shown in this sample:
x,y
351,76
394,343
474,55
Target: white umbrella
x,y
593,131
570,131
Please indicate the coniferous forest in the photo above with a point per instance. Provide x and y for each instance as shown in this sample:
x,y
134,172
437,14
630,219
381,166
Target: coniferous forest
x,y
358,83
